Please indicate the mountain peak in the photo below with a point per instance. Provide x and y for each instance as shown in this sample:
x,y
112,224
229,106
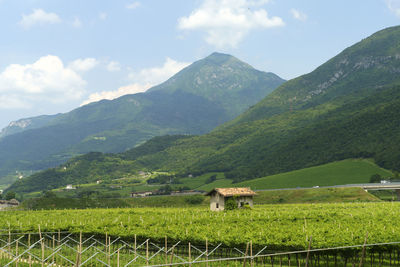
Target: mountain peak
x,y
221,58
221,76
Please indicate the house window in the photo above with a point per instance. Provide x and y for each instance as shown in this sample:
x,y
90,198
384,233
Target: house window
x,y
216,205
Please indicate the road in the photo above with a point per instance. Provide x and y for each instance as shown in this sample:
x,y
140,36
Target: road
x,y
370,186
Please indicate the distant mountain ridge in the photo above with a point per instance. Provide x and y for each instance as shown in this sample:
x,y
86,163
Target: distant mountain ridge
x,y
26,124
202,96
347,108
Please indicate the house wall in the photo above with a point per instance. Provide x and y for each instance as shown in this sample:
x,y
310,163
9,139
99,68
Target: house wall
x,y
215,199
244,200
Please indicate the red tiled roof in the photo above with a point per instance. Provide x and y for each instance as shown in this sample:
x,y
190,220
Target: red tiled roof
x,y
233,191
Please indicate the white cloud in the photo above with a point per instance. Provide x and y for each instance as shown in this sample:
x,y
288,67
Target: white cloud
x,y
82,65
394,6
11,101
47,79
157,75
226,22
103,15
133,5
141,80
113,66
124,90
39,17
77,23
297,14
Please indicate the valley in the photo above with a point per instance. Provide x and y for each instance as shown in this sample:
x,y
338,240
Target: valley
x,y
139,166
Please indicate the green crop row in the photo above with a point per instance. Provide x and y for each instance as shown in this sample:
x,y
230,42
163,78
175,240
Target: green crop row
x,y
288,226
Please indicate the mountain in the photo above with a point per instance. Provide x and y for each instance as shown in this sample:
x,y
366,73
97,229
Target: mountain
x,y
202,96
347,108
26,124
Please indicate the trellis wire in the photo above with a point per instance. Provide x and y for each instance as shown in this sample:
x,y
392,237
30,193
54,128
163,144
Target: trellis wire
x,y
104,249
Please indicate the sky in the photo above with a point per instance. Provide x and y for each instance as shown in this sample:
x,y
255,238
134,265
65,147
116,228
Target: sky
x,y
57,55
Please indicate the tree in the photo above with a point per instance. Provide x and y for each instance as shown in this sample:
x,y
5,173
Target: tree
x,y
375,178
10,195
211,179
49,194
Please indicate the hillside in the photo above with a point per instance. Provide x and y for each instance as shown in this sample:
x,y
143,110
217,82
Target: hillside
x,y
349,171
353,117
346,108
202,96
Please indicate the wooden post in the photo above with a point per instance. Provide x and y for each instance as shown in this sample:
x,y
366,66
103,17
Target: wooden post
x,y
363,251
9,239
251,254
308,251
42,243
106,241
172,254
59,237
147,252
109,250
166,250
190,256
206,252
245,254
30,257
16,253
54,245
135,245
80,247
77,263
118,258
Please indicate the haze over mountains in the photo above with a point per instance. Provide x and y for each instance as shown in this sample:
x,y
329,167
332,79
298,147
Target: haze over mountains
x,y
202,96
347,108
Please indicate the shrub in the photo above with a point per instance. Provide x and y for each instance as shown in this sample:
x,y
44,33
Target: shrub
x,y
230,204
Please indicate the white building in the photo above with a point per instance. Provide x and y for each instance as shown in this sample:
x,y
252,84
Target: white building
x,y
241,195
141,194
69,187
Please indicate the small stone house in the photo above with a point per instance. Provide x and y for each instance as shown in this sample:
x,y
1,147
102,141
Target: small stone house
x,y
242,195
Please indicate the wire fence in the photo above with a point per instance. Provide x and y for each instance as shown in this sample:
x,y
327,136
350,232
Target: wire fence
x,y
71,249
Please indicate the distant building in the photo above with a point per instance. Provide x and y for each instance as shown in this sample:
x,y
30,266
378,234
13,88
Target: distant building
x,y
4,204
69,187
141,194
242,196
186,193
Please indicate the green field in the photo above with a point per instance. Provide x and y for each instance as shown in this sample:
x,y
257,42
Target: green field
x,y
286,226
315,195
350,171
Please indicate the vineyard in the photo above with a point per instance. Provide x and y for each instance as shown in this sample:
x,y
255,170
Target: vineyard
x,y
281,227
68,249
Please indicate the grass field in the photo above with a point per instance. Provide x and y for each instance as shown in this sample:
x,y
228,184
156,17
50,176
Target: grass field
x,y
350,171
315,195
